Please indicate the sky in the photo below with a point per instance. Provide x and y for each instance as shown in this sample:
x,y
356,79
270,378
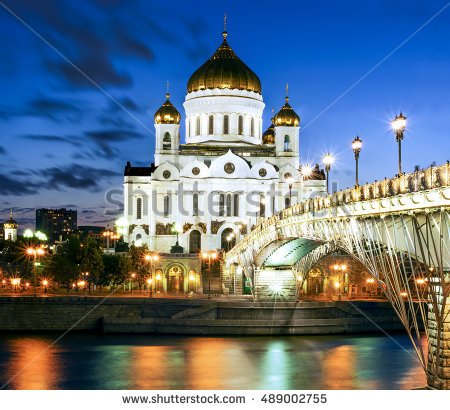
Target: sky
x,y
80,82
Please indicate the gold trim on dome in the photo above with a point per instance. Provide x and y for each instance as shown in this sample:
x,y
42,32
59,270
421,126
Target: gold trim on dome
x,y
224,70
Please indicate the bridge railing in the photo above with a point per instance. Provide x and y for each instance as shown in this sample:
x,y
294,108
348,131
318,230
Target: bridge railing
x,y
417,181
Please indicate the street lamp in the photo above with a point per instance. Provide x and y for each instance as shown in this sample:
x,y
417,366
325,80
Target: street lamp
x,y
35,253
328,160
209,256
306,171
290,181
356,146
370,282
399,126
152,259
45,284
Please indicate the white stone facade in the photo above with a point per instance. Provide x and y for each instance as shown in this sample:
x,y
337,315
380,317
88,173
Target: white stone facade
x,y
220,182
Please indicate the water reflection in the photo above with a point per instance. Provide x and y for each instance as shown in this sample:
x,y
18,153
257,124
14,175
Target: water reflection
x,y
163,362
32,364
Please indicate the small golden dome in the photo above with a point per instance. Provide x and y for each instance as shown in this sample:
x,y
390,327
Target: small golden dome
x,y
287,117
10,223
167,114
224,70
268,136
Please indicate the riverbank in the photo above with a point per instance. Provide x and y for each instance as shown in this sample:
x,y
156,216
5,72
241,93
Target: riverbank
x,y
194,316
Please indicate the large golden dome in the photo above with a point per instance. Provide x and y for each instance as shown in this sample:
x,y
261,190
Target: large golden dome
x,y
287,117
167,113
224,70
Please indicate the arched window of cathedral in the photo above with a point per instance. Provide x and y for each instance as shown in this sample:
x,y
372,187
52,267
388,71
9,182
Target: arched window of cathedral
x,y
197,126
236,205
227,239
189,128
287,202
240,125
195,204
222,205
166,205
252,127
226,124
287,143
262,206
139,208
228,204
138,237
195,242
167,141
211,125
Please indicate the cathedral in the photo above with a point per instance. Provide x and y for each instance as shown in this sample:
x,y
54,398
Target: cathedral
x,y
208,192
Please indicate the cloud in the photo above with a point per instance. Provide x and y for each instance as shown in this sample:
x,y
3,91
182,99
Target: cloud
x,y
105,138
52,139
53,109
18,187
76,177
2,151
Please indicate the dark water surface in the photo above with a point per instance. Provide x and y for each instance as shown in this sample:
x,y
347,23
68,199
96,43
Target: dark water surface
x,y
81,361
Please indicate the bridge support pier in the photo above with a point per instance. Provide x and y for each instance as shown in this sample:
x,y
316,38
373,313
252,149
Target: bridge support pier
x,y
438,366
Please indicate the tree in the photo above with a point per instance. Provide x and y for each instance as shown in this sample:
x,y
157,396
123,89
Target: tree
x,y
91,259
137,262
116,269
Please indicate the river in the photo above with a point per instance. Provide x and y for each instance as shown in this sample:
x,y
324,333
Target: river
x,y
81,361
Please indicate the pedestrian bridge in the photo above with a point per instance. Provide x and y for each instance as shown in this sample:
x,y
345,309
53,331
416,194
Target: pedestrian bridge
x,y
398,228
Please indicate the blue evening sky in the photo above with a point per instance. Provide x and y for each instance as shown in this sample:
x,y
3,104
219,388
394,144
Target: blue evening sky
x,y
64,142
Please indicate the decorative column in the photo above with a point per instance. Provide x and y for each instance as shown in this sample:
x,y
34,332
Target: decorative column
x,y
438,367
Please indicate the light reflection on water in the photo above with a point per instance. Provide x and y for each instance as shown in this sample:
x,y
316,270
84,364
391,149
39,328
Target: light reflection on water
x,y
164,362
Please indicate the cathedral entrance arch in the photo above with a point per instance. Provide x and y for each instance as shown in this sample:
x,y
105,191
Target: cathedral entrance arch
x,y
314,284
175,278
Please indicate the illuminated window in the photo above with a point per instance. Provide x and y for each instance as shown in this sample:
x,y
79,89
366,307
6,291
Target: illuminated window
x,y
167,141
229,205
287,143
166,205
195,242
221,205
262,206
197,126
226,124
139,208
236,205
240,125
211,125
195,204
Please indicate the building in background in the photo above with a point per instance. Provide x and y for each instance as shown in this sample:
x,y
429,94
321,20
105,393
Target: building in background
x,y
10,228
91,231
57,224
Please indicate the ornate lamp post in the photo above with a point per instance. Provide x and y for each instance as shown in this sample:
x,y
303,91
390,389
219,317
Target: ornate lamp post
x,y
328,160
356,146
152,259
35,253
399,126
209,256
290,181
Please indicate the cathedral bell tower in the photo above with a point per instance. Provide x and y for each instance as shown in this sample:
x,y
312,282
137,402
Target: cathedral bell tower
x,y
167,128
287,131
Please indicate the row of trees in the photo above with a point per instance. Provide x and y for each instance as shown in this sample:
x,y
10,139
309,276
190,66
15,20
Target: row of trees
x,y
70,262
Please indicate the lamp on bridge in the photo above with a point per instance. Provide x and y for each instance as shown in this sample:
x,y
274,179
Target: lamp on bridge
x,y
290,181
328,160
356,146
399,126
